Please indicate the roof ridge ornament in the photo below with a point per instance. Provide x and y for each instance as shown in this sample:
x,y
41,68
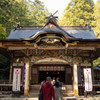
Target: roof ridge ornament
x,y
16,26
52,19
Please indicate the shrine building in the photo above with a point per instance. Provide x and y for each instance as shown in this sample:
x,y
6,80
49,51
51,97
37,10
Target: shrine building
x,y
51,50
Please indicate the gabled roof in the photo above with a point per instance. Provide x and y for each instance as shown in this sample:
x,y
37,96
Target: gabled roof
x,y
83,34
71,32
26,33
96,67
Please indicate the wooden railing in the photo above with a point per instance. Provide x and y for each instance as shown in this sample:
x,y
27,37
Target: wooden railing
x,y
4,81
96,82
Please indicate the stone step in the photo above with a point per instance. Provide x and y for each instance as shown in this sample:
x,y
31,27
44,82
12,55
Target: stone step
x,y
37,87
34,94
68,94
34,88
69,98
64,94
37,91
65,87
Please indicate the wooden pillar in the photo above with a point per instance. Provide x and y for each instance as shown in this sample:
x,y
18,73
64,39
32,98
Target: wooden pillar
x,y
92,70
11,65
30,73
26,86
10,76
75,76
93,80
91,61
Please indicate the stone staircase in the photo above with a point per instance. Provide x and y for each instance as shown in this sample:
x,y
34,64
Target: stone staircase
x,y
34,90
67,90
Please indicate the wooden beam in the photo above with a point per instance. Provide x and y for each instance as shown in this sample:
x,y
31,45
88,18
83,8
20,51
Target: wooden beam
x,y
20,48
19,64
46,48
82,48
86,64
50,48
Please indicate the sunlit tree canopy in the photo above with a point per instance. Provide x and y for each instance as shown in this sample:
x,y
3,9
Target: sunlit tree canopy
x,y
78,12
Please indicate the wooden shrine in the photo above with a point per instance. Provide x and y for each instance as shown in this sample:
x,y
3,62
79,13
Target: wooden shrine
x,y
51,50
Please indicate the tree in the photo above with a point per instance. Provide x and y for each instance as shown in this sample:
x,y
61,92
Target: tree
x,y
96,28
2,32
25,12
78,12
96,22
37,12
10,10
11,13
96,62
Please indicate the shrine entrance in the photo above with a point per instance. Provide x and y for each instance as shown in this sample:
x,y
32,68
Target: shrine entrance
x,y
54,71
39,73
52,74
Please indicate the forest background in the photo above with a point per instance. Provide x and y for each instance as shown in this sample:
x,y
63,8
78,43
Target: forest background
x,y
33,13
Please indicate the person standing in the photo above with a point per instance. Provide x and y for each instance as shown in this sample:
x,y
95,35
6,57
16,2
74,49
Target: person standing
x,y
58,91
53,81
48,90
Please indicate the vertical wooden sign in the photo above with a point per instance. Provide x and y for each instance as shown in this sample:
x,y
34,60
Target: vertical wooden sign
x,y
16,79
88,79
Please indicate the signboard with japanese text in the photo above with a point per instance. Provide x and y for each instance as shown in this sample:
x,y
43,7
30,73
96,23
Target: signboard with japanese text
x,y
16,79
88,79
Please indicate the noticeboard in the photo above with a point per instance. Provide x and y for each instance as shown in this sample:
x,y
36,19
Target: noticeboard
x,y
88,79
16,79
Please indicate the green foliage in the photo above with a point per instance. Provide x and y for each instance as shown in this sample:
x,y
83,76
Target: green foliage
x,y
37,13
96,22
2,32
4,67
13,12
96,62
24,12
78,12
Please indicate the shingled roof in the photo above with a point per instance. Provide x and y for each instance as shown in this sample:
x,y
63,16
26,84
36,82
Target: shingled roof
x,y
80,32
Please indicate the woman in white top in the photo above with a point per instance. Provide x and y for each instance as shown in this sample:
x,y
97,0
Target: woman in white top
x,y
58,91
